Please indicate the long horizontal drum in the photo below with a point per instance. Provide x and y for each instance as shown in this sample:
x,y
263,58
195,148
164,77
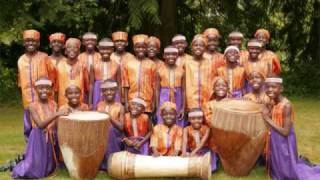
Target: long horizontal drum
x,y
83,141
125,165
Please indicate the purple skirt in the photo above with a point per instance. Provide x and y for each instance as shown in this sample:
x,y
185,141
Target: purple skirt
x,y
164,97
97,94
26,124
39,159
115,144
144,149
284,161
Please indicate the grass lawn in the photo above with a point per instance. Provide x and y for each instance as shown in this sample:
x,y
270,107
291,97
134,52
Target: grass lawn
x,y
307,124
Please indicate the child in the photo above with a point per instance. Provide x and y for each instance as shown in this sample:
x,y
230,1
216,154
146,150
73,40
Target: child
x,y
104,68
270,57
212,35
166,138
235,38
195,138
200,73
40,155
282,155
120,40
234,73
256,82
170,84
180,42
31,66
153,48
109,105
137,128
57,41
139,75
71,71
73,94
89,40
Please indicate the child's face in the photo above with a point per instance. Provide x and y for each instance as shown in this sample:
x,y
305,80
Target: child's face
x,y
235,41
213,43
170,57
261,37
181,45
169,116
196,122
255,80
105,52
140,50
31,45
56,46
220,88
152,50
273,90
43,91
136,108
254,52
90,44
109,93
72,51
120,45
232,56
198,47
73,94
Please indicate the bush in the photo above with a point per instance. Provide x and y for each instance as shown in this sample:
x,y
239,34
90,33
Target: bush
x,y
9,92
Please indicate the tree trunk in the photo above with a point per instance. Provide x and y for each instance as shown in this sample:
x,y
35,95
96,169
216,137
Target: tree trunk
x,y
168,16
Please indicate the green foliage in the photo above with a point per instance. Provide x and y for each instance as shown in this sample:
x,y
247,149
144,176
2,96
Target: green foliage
x,y
9,90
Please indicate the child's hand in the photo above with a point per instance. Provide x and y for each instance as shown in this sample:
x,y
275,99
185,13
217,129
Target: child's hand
x,y
185,154
64,112
128,142
266,112
137,145
155,154
193,153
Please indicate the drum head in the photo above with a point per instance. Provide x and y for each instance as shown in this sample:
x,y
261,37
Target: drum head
x,y
86,116
239,106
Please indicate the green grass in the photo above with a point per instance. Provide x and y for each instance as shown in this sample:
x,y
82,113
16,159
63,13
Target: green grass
x,y
307,124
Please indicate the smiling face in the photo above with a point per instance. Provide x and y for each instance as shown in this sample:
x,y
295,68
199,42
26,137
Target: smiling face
x,y
262,38
72,51
109,93
136,109
198,47
73,94
273,90
105,52
31,45
213,43
254,52
140,50
43,92
169,116
220,88
256,80
232,56
170,57
181,45
235,41
196,122
90,44
56,46
120,45
152,50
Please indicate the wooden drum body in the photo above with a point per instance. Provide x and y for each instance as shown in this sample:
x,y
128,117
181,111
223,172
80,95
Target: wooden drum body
x,y
125,165
83,141
238,134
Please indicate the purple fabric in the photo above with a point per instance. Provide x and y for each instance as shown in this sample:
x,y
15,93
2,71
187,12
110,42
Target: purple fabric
x,y
164,97
115,144
214,158
144,149
97,94
237,94
26,124
39,159
284,162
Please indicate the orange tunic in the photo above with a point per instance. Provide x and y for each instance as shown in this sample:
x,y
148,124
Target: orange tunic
x,y
216,57
235,77
208,111
30,69
114,110
105,70
199,81
123,58
272,59
262,98
195,136
82,107
71,74
166,140
139,76
89,59
243,56
42,113
181,59
138,127
259,65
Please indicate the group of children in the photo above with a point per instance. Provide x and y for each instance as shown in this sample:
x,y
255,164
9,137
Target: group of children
x,y
157,107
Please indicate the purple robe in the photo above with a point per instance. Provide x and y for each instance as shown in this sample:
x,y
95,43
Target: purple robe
x,y
164,97
237,94
144,149
115,144
284,162
97,94
26,124
39,159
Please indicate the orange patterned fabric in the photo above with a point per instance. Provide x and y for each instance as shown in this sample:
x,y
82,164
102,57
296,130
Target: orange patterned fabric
x,y
191,138
216,57
244,54
199,78
262,98
166,140
139,76
42,113
55,61
105,70
175,73
31,34
236,79
57,36
142,125
121,58
113,110
208,109
271,58
278,111
71,74
82,107
260,66
30,69
181,59
84,58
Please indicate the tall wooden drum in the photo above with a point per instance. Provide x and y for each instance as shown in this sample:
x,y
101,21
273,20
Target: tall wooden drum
x,y
125,165
238,134
83,141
